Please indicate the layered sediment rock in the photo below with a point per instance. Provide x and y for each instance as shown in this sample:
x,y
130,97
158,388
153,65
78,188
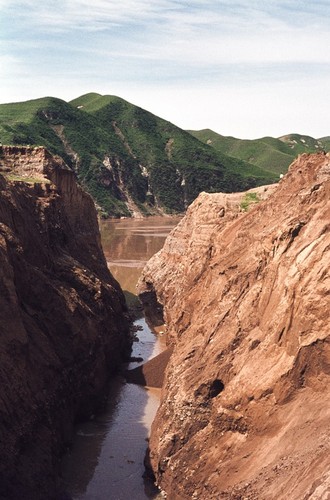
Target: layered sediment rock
x,y
64,325
246,402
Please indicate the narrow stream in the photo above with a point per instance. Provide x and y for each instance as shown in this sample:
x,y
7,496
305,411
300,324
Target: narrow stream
x,y
106,459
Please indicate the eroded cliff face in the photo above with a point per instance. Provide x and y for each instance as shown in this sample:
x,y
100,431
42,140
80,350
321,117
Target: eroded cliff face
x,y
245,409
64,325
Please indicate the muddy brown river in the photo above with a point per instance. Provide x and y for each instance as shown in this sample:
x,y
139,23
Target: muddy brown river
x,y
106,458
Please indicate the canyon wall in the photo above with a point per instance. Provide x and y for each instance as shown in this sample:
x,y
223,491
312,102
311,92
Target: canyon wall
x,y
245,296
64,327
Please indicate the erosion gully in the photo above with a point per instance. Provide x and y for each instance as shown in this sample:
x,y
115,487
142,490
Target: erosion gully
x,y
105,461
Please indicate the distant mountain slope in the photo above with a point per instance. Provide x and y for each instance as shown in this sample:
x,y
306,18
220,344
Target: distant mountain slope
x,y
176,165
77,138
302,143
326,142
129,160
272,155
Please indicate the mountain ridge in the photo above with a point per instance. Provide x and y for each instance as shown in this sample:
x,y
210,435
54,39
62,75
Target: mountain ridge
x,y
131,161
273,154
135,163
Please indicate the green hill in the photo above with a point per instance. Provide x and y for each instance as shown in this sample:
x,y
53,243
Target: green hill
x,y
325,141
302,143
270,154
127,158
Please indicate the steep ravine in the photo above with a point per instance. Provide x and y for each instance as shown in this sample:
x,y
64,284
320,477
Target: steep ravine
x,y
106,459
246,403
64,326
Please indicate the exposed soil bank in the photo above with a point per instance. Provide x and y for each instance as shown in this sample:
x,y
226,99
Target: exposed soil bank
x,y
245,405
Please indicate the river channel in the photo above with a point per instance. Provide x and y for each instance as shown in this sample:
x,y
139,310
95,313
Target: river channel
x,y
106,458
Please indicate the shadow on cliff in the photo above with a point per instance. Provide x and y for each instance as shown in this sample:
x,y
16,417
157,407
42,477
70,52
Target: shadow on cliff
x,y
151,373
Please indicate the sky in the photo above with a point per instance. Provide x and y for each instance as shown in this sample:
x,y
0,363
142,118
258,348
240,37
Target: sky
x,y
248,68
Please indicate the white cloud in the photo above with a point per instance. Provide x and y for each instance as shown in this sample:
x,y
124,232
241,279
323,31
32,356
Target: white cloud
x,y
233,15
77,14
202,33
232,59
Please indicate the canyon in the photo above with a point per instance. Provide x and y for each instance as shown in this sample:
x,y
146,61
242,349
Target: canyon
x,y
244,294
241,289
106,459
64,322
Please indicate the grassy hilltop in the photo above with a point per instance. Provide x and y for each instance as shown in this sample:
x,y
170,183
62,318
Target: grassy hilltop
x,y
127,158
268,153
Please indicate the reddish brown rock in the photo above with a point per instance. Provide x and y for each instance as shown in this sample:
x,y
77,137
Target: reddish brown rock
x,y
63,324
245,409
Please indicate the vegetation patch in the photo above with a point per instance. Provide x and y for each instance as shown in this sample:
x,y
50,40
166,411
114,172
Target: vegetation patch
x,y
248,200
11,176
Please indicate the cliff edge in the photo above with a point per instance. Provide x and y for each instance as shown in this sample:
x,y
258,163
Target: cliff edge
x,y
245,296
63,326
